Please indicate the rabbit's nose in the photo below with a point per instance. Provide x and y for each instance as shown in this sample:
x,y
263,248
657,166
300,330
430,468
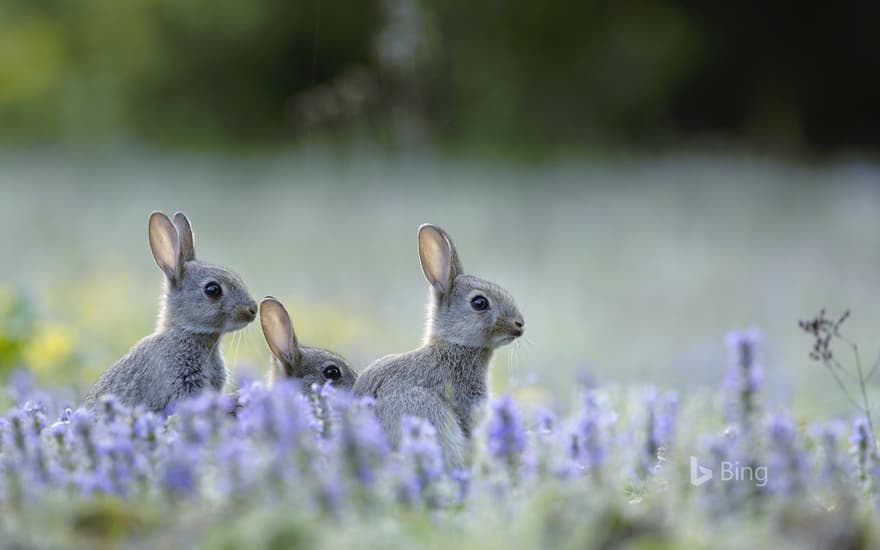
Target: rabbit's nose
x,y
252,309
519,323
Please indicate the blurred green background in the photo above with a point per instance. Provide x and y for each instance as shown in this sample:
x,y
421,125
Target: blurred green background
x,y
536,76
643,176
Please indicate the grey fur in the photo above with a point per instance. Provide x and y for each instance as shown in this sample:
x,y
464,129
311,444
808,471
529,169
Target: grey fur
x,y
446,379
182,357
290,359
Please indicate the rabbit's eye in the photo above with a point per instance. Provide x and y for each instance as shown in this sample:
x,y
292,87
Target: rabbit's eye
x,y
213,290
332,372
479,303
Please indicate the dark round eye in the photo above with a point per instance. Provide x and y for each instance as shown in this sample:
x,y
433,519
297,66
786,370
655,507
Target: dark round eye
x,y
331,372
213,290
479,303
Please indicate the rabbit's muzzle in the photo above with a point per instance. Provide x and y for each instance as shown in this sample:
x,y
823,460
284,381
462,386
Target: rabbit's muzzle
x,y
519,327
247,314
508,330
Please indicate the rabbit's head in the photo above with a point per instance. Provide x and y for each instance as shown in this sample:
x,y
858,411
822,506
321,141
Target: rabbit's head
x,y
464,309
291,360
199,297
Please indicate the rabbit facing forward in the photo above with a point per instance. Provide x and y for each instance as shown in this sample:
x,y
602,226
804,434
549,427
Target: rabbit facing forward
x,y
445,379
199,304
291,360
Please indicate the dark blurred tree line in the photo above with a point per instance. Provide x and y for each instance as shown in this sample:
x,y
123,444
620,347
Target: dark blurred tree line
x,y
519,73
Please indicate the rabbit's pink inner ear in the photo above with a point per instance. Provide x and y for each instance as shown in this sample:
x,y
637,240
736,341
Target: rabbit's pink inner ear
x,y
278,330
185,236
455,268
435,254
165,245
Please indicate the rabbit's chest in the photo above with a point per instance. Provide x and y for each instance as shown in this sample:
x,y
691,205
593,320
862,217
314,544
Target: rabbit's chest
x,y
216,372
197,369
464,400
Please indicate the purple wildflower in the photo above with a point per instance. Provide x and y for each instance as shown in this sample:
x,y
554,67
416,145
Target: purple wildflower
x,y
110,408
462,479
834,470
743,382
862,445
586,448
281,414
178,476
146,428
660,426
329,492
83,426
58,431
787,464
506,434
361,443
422,460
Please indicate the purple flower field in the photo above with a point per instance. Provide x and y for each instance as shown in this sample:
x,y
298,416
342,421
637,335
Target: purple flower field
x,y
281,468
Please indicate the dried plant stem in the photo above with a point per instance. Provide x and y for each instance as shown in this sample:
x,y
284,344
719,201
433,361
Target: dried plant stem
x,y
867,404
873,369
846,391
824,332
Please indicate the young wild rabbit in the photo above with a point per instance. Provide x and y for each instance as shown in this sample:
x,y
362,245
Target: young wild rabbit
x,y
445,379
200,303
292,360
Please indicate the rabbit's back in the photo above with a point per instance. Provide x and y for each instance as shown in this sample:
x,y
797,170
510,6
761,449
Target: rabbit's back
x,y
384,375
415,384
136,378
422,402
162,368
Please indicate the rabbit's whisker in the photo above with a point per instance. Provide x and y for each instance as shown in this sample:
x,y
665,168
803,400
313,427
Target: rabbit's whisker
x,y
215,346
253,349
236,342
510,362
254,342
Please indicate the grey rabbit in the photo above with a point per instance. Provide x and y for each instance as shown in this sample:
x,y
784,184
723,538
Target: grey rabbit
x,y
292,360
200,303
445,379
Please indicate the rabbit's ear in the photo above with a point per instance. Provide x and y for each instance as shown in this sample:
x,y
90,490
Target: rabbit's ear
x,y
165,245
185,234
440,262
278,330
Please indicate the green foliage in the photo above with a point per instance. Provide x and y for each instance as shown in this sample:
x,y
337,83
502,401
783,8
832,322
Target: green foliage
x,y
534,75
29,340
17,328
557,72
167,71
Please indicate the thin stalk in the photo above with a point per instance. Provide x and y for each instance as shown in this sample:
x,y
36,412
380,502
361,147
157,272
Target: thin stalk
x,y
845,391
855,350
873,369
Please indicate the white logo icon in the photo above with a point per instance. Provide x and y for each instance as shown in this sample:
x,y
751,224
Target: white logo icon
x,y
699,474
